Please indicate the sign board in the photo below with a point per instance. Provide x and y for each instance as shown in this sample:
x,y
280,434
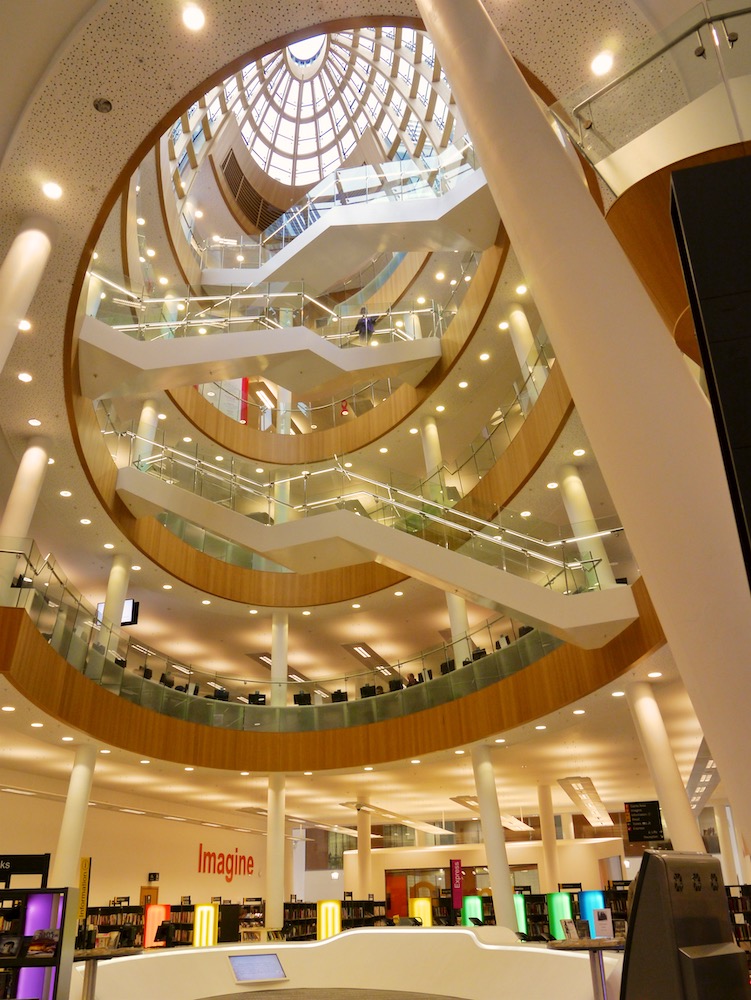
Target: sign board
x,y
643,821
457,884
153,876
83,886
24,864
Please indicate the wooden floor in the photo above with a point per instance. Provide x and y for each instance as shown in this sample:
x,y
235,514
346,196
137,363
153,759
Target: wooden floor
x,y
328,994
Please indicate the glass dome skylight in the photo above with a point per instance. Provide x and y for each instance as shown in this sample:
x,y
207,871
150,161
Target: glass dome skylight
x,y
303,109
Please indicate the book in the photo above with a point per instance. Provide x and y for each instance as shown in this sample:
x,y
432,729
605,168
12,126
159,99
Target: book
x,y
10,945
43,942
569,929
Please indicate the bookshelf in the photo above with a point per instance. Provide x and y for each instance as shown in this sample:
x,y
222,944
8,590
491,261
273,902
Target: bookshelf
x,y
488,912
182,918
536,909
300,921
111,920
443,911
739,902
362,913
31,927
616,898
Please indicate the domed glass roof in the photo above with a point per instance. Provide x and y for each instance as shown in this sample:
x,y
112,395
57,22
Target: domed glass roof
x,y
302,110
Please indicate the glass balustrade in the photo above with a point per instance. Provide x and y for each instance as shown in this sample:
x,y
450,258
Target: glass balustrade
x,y
682,91
134,670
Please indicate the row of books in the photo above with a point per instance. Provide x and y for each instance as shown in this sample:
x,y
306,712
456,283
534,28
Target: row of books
x,y
42,943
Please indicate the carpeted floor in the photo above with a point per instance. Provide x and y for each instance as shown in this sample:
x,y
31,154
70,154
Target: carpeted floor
x,y
359,994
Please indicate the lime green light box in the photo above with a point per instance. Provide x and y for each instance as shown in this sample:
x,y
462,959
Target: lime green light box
x,y
471,907
521,912
559,908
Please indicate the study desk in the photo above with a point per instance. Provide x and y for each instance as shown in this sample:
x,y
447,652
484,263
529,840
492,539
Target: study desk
x,y
596,948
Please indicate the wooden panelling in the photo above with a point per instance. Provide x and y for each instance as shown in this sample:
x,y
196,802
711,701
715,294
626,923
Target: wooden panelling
x,y
640,219
562,677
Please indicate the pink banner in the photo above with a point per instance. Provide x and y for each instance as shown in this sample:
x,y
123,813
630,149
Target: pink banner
x,y
456,883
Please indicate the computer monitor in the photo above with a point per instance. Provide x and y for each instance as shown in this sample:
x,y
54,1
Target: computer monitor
x,y
302,698
130,612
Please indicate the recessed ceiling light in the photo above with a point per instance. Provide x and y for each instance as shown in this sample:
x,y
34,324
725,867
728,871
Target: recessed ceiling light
x,y
24,377
602,63
244,774
500,741
655,673
205,602
189,769
439,276
198,213
526,513
24,326
398,593
202,330
150,252
259,470
187,440
307,773
85,520
240,258
105,751
414,430
50,461
211,393
34,422
367,768
140,221
578,452
37,725
521,289
467,277
52,190
163,281
541,727
193,17
463,385
383,451
219,458
440,408
416,761
8,708
166,586
399,323
65,493
347,465
618,694
355,606
109,545
135,568
145,761
421,300
306,613
459,753
552,485
503,325
252,611
579,711
484,357
67,739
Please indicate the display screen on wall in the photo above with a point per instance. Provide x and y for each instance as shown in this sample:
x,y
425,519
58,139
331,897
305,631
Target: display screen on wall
x,y
256,968
130,612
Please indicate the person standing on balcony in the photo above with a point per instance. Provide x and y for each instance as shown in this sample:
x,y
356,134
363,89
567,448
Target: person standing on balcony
x,y
365,326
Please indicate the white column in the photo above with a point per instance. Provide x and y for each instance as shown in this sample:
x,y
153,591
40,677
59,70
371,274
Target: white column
x,y
730,873
279,657
364,853
283,426
650,728
459,624
647,420
93,290
495,841
582,520
431,445
525,350
275,857
549,847
24,494
117,589
567,826
741,849
66,863
20,274
146,431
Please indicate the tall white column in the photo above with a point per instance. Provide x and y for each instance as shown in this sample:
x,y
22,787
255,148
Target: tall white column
x,y
549,847
730,873
459,624
24,494
495,841
20,274
431,445
741,849
647,420
653,737
283,426
364,853
582,521
146,431
275,856
117,589
525,349
279,657
567,826
66,863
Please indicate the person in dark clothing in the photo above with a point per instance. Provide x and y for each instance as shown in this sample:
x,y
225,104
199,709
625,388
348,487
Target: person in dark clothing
x,y
365,326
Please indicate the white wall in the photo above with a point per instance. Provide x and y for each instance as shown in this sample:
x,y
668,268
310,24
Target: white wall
x,y
124,848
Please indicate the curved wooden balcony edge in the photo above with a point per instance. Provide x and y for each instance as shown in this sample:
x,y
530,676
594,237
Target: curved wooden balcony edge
x,y
564,676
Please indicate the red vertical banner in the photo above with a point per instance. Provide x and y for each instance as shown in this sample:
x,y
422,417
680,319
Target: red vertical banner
x,y
244,400
456,883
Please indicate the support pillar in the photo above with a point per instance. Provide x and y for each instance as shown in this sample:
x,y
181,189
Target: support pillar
x,y
582,521
279,657
459,624
525,349
275,856
364,853
117,589
549,847
567,826
67,861
24,495
495,840
653,737
730,873
143,447
621,365
20,274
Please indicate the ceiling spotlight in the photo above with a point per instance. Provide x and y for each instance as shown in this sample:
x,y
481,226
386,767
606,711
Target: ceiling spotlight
x,y
135,568
150,252
521,289
654,674
140,221
398,593
618,694
503,325
440,408
579,711
602,63
187,440
526,513
24,377
166,586
356,606
198,213
414,430
484,357
541,727
252,611
439,276
206,602
367,768
552,485
163,280
421,300
24,326
578,452
193,17
108,545
85,520
306,613
34,422
416,761
383,451
500,740
463,385
52,190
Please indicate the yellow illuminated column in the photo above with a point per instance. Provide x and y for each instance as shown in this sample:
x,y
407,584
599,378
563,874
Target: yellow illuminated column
x,y
421,907
205,925
329,918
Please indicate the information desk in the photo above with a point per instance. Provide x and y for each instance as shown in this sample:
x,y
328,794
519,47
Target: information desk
x,y
92,957
596,948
